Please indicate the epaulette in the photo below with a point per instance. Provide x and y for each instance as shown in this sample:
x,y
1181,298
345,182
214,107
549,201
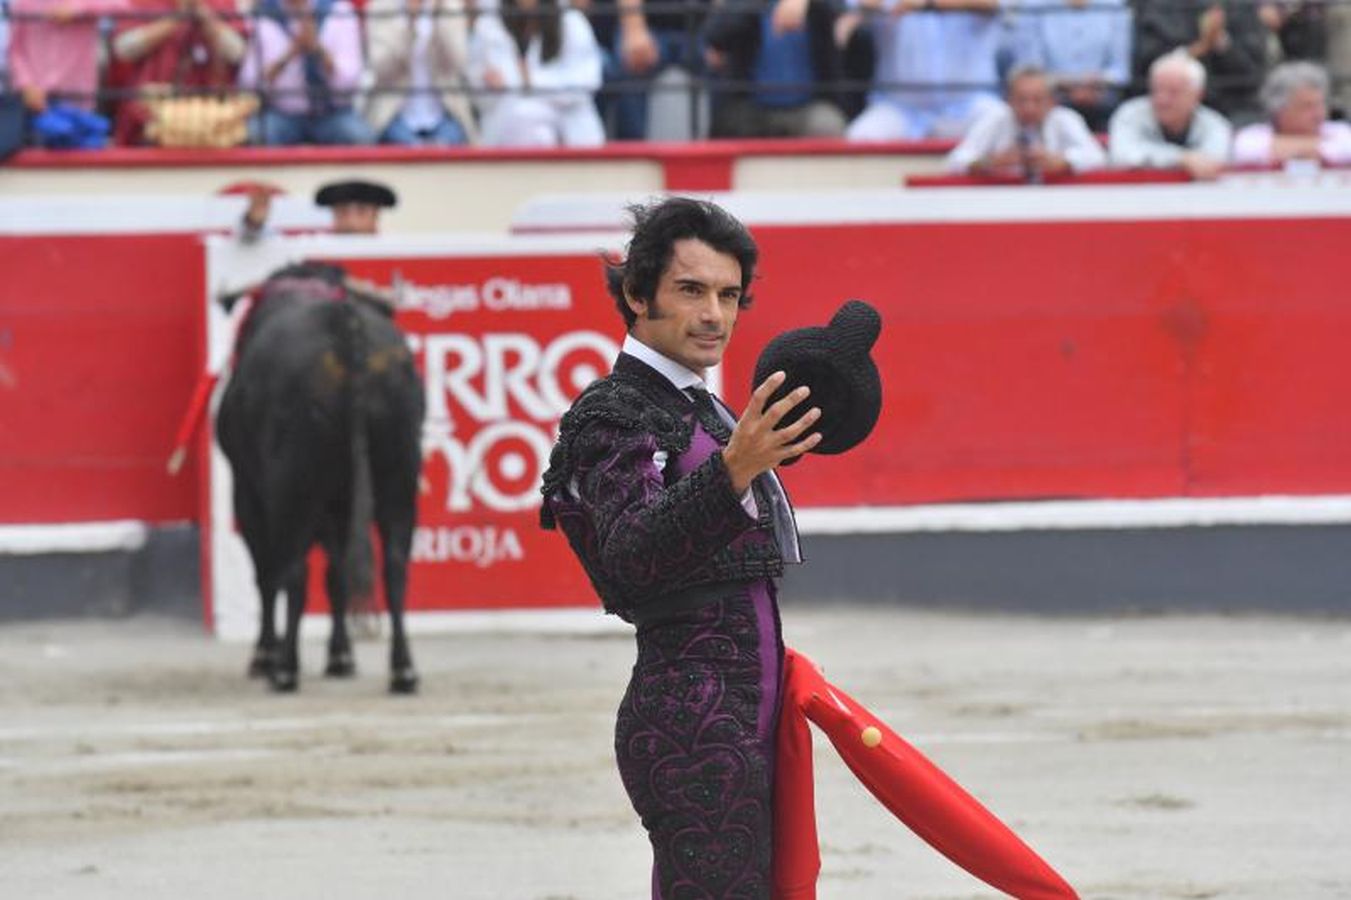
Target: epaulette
x,y
620,405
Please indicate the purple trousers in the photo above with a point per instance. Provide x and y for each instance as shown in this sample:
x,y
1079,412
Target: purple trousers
x,y
695,745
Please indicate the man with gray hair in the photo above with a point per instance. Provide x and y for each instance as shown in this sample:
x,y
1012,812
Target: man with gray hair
x,y
1295,97
1170,128
1029,135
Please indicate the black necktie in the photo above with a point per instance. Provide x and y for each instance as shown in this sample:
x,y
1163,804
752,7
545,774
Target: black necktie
x,y
707,413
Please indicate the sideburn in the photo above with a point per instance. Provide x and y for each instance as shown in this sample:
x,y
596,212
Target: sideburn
x,y
650,307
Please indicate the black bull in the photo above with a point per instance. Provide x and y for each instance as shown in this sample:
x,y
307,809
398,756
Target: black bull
x,y
321,422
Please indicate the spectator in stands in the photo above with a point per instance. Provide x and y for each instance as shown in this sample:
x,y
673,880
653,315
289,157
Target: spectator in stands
x,y
646,44
53,51
419,54
1084,46
191,45
1170,127
943,51
1029,136
306,63
1295,96
1228,37
536,67
787,52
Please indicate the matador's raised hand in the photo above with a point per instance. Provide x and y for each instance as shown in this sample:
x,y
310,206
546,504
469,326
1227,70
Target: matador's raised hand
x,y
757,445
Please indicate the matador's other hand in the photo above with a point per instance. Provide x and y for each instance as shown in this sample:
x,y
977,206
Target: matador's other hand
x,y
756,444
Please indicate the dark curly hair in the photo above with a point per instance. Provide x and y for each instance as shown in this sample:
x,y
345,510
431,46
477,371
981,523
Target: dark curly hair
x,y
656,228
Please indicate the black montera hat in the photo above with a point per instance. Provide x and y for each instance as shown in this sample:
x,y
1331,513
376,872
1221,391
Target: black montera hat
x,y
355,191
833,361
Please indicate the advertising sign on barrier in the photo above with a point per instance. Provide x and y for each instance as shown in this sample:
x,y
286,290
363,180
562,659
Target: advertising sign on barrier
x,y
505,334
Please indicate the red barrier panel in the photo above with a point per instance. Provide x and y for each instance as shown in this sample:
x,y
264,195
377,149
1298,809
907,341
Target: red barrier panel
x,y
1104,359
1021,359
101,341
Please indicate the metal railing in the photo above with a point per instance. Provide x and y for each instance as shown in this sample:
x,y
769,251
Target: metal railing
x,y
694,14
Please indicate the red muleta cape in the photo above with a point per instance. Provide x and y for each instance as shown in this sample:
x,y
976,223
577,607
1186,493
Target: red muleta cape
x,y
919,794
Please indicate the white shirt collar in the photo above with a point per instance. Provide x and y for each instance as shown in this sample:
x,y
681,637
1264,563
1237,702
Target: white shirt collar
x,y
671,370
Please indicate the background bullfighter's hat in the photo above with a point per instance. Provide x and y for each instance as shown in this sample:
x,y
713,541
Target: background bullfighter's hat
x,y
355,191
833,361
249,187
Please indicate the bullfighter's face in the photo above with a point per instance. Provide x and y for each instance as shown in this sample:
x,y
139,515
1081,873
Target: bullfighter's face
x,y
690,320
356,218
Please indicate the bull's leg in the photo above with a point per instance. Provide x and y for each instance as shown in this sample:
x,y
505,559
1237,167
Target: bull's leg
x,y
265,651
397,537
286,672
249,514
341,662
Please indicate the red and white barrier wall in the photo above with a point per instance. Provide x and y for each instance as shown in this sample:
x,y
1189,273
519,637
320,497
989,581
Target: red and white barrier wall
x,y
1151,355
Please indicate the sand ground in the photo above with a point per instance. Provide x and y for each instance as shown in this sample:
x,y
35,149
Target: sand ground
x,y
1160,757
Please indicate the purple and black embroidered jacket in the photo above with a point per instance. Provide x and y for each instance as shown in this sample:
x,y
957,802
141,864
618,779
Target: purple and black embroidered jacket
x,y
638,485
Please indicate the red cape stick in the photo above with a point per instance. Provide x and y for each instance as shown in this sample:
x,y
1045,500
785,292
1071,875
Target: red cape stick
x,y
915,790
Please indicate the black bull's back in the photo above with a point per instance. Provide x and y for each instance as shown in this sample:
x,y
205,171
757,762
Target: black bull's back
x,y
321,422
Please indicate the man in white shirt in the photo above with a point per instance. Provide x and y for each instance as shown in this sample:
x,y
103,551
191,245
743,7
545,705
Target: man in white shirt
x,y
1029,135
1170,128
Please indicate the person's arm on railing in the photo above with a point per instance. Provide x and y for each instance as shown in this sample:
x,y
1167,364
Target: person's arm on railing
x,y
225,37
339,45
275,50
389,36
450,35
1217,135
975,152
1083,153
1253,145
637,45
139,41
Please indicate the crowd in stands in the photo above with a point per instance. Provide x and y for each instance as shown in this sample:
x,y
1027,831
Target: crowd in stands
x,y
1024,86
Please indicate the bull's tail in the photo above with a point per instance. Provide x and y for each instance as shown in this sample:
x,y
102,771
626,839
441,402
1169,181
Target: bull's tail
x,y
359,562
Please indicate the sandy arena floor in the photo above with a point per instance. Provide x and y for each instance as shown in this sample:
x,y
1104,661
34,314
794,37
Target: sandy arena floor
x,y
1144,758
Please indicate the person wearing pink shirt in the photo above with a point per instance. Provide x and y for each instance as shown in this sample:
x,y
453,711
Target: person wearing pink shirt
x,y
53,50
306,62
1295,96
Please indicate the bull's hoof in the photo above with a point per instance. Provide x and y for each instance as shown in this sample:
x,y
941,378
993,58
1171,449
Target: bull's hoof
x,y
261,664
284,682
403,681
340,665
